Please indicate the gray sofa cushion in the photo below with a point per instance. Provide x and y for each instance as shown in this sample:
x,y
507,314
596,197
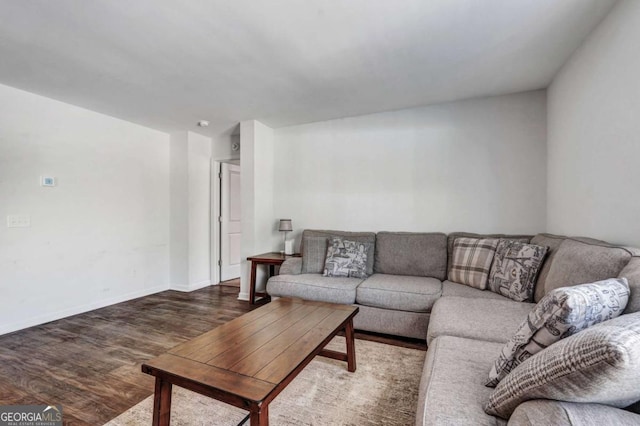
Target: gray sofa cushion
x,y
481,319
405,253
600,365
552,242
363,237
314,287
452,390
399,292
449,288
580,261
398,323
544,412
291,266
632,273
452,237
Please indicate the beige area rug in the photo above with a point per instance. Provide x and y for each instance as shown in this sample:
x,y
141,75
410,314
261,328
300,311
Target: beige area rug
x,y
382,391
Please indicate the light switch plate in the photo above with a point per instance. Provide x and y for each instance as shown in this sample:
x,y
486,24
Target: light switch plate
x,y
18,221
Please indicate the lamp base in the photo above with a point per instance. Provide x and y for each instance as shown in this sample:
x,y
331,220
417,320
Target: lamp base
x,y
288,247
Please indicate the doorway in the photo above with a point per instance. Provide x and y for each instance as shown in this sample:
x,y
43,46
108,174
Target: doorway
x,y
230,224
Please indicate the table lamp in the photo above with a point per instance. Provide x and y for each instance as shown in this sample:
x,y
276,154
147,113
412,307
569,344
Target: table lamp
x,y
285,226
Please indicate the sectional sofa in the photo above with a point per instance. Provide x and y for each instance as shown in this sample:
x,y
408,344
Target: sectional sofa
x,y
408,293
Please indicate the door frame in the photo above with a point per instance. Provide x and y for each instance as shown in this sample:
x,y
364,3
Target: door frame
x,y
216,228
216,170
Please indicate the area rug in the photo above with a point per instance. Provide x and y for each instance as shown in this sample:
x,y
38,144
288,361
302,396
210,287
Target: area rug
x,y
382,391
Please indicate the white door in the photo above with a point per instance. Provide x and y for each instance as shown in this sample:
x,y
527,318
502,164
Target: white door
x,y
230,231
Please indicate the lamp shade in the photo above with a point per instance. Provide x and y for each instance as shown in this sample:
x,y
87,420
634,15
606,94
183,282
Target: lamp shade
x,y
285,225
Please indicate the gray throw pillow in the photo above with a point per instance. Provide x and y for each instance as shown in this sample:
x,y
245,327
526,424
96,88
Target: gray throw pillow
x,y
561,313
314,250
346,258
471,261
515,268
599,365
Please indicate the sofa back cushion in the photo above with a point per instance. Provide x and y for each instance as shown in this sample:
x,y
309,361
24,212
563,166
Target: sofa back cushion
x,y
407,253
632,273
314,264
451,238
552,242
581,260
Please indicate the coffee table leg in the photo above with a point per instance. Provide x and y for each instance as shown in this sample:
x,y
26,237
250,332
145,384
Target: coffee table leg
x,y
351,347
162,403
260,418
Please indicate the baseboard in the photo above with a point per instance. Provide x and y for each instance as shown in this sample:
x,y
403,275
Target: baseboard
x,y
190,287
9,328
243,296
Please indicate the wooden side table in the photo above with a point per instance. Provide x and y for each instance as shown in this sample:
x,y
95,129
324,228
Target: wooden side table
x,y
271,260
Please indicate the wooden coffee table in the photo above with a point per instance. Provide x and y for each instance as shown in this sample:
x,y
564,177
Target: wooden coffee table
x,y
247,362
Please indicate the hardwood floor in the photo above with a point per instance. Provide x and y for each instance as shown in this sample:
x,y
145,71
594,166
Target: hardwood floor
x,y
234,282
91,363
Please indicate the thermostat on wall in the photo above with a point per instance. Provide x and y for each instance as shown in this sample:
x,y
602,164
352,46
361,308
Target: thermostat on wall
x,y
47,181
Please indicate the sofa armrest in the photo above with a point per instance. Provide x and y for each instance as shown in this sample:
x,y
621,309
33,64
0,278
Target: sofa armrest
x,y
291,266
546,412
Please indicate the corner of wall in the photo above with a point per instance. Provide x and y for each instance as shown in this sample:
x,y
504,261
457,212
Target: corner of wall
x,y
257,182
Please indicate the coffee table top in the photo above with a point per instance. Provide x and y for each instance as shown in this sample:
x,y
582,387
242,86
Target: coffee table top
x,y
252,355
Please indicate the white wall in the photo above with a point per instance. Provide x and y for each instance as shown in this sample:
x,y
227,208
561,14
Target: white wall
x,y
259,233
190,190
179,213
199,210
101,235
476,165
594,134
221,147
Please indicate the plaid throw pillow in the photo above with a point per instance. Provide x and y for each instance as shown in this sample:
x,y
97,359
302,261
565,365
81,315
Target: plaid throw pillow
x,y
472,260
599,365
561,313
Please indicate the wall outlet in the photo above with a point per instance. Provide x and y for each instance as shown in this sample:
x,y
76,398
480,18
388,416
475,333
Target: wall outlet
x,y
18,221
47,181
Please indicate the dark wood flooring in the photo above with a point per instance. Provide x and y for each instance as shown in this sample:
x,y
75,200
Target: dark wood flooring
x,y
234,282
90,363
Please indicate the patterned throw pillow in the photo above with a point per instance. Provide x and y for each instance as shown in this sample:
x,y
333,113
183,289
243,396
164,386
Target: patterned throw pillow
x,y
561,313
515,268
472,260
600,365
346,258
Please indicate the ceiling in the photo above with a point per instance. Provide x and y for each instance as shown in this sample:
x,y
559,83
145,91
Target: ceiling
x,y
167,64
